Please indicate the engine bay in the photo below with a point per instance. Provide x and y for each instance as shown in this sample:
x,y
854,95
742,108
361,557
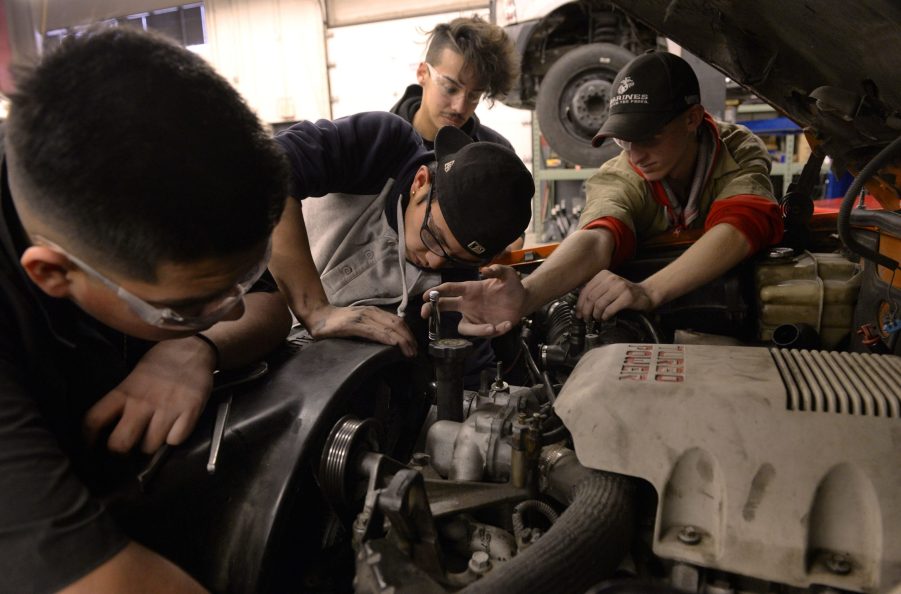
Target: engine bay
x,y
641,453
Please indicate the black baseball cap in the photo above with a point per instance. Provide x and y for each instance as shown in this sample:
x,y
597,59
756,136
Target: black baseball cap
x,y
484,190
648,93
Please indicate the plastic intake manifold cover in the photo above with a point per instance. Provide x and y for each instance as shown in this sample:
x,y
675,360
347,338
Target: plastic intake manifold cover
x,y
783,465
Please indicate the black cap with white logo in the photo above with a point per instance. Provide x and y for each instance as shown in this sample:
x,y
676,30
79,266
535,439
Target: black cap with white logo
x,y
484,191
648,93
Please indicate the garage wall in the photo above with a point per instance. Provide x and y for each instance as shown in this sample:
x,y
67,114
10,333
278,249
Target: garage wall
x,y
273,52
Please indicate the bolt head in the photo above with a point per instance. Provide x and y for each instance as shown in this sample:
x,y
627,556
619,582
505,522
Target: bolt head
x,y
689,535
838,563
480,562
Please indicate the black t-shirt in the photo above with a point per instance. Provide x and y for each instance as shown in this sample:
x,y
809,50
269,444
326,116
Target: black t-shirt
x,y
53,366
55,363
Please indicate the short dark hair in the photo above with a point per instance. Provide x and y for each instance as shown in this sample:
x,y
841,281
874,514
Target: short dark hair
x,y
136,149
485,48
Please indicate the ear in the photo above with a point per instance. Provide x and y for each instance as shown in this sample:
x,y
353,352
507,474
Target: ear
x,y
48,269
420,180
695,117
422,72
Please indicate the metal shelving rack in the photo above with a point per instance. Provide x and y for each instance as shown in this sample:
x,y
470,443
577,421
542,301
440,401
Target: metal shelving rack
x,y
544,175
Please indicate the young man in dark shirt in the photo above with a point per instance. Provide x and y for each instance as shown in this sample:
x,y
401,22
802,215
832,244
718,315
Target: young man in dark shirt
x,y
379,218
138,194
467,59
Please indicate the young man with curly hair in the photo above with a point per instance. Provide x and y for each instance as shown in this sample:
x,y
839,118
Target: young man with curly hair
x,y
467,59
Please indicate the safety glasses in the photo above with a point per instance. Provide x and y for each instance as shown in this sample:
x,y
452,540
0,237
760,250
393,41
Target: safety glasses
x,y
451,89
167,318
432,239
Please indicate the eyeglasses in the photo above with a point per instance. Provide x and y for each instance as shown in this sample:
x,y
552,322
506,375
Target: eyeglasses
x,y
165,317
432,239
452,89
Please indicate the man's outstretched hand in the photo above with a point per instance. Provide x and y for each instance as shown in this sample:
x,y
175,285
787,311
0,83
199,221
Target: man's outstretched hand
x,y
490,307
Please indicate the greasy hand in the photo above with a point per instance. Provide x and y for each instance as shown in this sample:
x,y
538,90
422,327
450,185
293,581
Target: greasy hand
x,y
490,307
364,321
607,293
160,400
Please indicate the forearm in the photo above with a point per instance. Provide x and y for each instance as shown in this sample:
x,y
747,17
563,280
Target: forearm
x,y
718,250
577,259
138,570
264,325
293,267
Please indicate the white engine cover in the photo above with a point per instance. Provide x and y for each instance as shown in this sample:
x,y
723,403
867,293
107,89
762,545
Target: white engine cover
x,y
786,463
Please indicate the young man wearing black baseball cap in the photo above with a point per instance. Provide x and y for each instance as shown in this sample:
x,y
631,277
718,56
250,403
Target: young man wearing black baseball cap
x,y
391,219
679,169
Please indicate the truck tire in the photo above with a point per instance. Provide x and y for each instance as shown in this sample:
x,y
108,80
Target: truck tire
x,y
573,98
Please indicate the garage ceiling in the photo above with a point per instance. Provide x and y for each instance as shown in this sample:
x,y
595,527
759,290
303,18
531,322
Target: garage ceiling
x,y
340,13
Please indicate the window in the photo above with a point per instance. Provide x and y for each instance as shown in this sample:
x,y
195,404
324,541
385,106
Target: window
x,y
183,23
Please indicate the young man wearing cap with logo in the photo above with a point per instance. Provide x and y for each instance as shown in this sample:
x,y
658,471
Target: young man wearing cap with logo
x,y
391,220
467,59
679,169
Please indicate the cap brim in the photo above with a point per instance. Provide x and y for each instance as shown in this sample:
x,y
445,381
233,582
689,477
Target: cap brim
x,y
449,140
633,126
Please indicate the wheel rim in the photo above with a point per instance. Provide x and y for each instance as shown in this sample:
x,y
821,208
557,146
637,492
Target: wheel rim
x,y
584,103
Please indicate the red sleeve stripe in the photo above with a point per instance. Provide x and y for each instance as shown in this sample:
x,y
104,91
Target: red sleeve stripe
x,y
758,219
623,238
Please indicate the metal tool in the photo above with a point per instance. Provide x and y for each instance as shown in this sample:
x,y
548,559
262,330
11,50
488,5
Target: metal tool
x,y
223,381
218,432
434,316
146,475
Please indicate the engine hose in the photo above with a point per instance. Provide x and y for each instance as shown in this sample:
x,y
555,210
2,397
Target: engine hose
x,y
554,435
844,212
560,317
646,322
531,504
538,375
582,548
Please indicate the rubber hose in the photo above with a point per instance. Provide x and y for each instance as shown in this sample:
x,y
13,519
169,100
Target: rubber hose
x,y
531,504
844,212
649,327
537,374
582,548
554,435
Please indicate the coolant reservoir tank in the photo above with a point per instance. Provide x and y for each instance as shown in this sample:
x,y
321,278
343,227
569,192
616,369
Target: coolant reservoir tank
x,y
816,289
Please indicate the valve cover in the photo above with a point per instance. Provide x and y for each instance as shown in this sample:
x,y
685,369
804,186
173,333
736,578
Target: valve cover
x,y
782,465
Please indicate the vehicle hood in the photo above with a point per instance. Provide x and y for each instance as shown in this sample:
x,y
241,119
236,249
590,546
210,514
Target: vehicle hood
x,y
830,66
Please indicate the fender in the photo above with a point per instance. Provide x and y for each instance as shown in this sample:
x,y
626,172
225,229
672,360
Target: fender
x,y
228,529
